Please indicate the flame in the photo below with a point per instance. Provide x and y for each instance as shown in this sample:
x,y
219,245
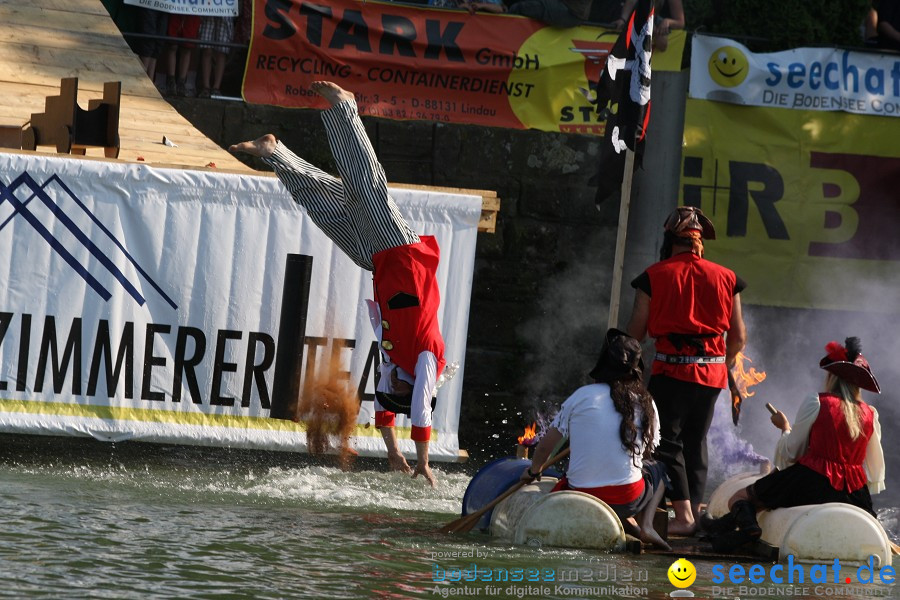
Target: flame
x,y
528,438
744,379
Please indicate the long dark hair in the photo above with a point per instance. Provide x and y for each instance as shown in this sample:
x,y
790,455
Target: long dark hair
x,y
626,395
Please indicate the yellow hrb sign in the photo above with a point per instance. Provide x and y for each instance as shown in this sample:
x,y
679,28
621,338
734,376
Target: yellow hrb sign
x,y
804,202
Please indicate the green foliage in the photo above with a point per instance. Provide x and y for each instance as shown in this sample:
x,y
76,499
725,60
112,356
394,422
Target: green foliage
x,y
772,25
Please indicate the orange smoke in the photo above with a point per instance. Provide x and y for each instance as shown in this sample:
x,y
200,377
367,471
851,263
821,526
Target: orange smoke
x,y
528,438
745,379
328,407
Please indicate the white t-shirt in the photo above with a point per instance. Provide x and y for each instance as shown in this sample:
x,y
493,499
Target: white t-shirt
x,y
590,421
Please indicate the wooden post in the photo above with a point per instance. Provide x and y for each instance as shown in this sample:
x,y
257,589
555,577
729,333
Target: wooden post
x,y
615,295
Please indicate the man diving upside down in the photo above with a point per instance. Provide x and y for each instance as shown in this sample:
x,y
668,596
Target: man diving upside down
x,y
359,216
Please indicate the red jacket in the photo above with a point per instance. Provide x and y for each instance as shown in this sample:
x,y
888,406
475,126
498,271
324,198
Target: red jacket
x,y
832,452
406,290
691,295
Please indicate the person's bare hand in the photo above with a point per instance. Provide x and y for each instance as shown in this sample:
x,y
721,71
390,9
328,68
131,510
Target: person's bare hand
x,y
527,477
780,421
425,471
662,28
398,463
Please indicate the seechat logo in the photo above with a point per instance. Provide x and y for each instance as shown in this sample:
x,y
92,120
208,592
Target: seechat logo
x,y
728,66
61,218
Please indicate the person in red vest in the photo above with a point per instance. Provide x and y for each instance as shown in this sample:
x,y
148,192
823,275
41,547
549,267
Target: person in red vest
x,y
360,217
832,453
692,308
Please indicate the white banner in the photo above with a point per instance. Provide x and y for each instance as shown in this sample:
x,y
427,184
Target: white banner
x,y
144,303
205,8
805,78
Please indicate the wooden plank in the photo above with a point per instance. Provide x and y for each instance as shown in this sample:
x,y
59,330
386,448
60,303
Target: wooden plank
x,y
25,33
140,124
239,169
449,190
91,7
194,153
149,122
63,21
159,159
137,86
47,40
89,76
156,109
490,203
45,54
694,548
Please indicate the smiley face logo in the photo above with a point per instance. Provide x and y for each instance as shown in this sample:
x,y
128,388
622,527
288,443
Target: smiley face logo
x,y
682,573
728,66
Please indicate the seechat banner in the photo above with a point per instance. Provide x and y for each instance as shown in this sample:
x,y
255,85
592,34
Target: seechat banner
x,y
405,62
204,8
143,303
804,202
827,79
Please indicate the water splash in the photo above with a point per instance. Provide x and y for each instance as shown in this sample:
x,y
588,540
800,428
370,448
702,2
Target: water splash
x,y
543,420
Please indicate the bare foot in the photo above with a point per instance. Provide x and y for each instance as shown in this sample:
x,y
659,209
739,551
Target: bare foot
x,y
331,92
398,463
424,470
631,527
649,536
682,528
262,147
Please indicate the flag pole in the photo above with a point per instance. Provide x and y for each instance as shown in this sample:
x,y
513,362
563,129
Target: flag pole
x,y
621,232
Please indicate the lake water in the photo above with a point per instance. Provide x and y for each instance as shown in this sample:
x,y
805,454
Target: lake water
x,y
86,520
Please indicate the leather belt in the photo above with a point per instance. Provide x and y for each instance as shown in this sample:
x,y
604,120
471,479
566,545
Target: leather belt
x,y
677,359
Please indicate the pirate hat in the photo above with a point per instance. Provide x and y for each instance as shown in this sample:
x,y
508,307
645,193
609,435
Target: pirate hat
x,y
620,358
684,218
848,363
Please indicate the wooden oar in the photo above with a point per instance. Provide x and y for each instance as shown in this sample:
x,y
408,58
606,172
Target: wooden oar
x,y
467,522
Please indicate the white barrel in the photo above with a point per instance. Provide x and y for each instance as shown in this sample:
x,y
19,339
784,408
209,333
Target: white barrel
x,y
813,532
508,512
718,502
570,519
823,532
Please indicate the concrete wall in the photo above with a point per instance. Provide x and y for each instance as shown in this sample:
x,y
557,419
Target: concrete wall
x,y
542,282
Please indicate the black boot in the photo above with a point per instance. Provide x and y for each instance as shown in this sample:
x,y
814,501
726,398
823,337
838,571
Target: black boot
x,y
743,514
716,526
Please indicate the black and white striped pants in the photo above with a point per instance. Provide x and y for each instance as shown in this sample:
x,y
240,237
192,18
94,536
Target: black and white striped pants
x,y
355,211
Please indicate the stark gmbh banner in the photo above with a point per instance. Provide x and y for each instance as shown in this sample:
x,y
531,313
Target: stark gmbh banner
x,y
405,62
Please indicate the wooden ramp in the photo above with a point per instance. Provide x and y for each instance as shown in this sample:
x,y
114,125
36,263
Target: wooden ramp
x,y
47,40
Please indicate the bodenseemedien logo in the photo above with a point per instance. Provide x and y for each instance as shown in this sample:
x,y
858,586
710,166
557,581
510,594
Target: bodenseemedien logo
x,y
728,66
682,574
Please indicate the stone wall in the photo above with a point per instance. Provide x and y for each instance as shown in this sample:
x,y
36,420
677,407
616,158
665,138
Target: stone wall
x,y
541,285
